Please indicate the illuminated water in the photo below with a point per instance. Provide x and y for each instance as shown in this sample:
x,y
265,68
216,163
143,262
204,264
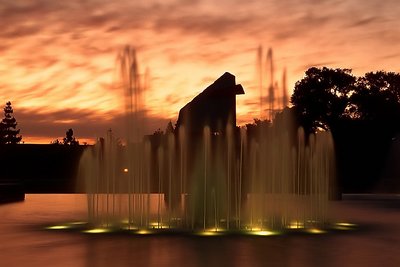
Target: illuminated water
x,y
25,241
225,180
265,185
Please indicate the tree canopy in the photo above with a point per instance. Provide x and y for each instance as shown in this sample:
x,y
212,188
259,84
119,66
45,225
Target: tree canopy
x,y
9,134
325,97
69,138
322,97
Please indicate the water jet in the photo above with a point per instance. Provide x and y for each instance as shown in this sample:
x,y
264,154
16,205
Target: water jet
x,y
208,174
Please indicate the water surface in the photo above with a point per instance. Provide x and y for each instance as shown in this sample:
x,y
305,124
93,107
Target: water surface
x,y
25,242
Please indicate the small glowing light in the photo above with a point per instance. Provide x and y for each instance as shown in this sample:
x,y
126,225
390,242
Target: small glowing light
x,y
210,232
346,224
58,227
263,233
125,170
96,231
158,225
78,223
143,232
315,231
296,225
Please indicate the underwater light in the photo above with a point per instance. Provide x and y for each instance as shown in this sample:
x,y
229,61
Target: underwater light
x,y
58,227
344,226
129,227
143,232
78,223
315,231
295,225
264,233
209,232
159,225
97,231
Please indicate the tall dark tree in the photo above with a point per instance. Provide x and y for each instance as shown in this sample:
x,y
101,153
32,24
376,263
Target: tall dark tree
x,y
9,134
69,138
321,98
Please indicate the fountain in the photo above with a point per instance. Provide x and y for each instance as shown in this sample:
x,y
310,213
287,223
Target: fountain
x,y
215,182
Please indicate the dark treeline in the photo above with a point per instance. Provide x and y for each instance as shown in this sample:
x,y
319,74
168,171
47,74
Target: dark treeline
x,y
40,168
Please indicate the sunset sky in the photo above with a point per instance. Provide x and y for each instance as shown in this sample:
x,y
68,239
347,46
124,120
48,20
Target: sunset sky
x,y
58,58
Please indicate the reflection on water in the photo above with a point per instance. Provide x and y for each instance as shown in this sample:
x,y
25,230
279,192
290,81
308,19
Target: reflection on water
x,y
25,242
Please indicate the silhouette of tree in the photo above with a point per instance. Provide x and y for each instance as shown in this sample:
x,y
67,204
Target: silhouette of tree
x,y
169,129
158,132
322,97
363,114
254,129
326,96
56,142
377,97
69,139
9,134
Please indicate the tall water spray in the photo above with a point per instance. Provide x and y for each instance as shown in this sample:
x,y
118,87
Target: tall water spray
x,y
230,180
273,96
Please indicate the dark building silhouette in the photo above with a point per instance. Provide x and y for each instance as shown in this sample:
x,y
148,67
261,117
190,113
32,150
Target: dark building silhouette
x,y
214,107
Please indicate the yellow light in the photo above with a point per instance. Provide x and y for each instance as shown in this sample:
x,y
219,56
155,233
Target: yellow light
x,y
210,232
263,233
96,231
58,227
316,231
296,225
346,224
158,225
143,232
125,170
78,223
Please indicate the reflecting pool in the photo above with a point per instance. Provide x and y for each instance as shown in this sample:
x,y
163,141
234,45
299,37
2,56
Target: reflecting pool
x,y
368,235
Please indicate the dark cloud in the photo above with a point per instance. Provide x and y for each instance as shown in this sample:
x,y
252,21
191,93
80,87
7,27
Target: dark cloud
x,y
113,29
285,35
251,104
390,56
173,99
19,31
53,124
87,124
364,22
4,47
328,64
190,24
37,61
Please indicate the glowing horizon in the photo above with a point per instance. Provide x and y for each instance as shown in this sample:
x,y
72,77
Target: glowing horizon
x,y
59,59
